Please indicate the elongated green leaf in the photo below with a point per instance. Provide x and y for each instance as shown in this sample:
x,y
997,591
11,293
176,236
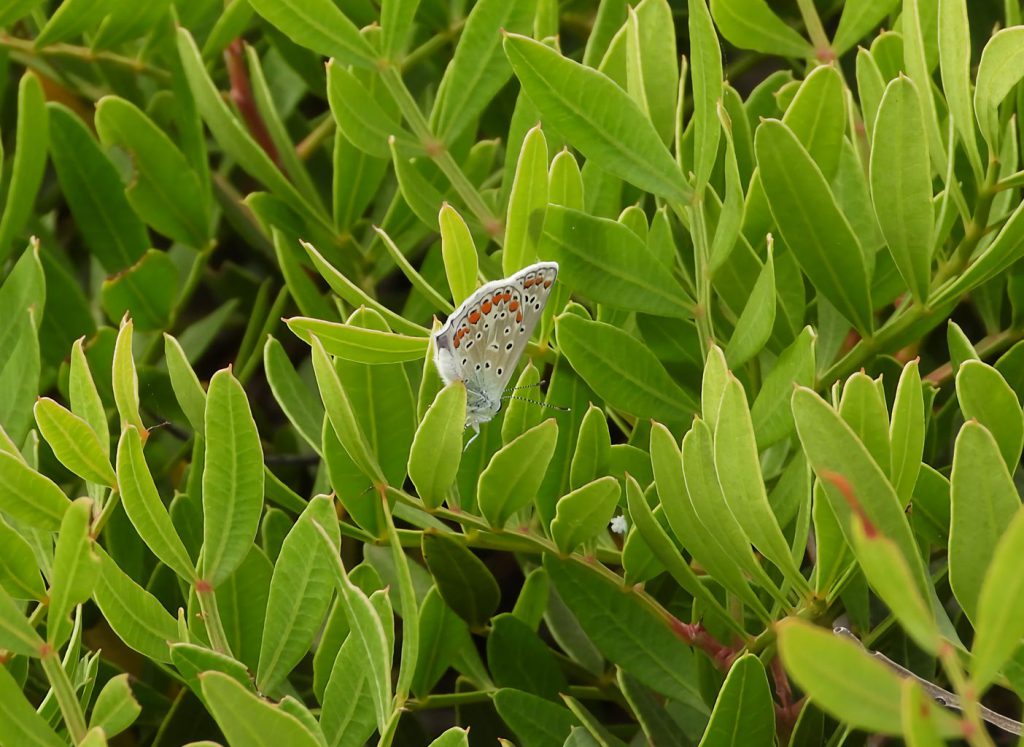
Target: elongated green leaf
x,y
1000,619
189,392
247,719
518,658
464,582
597,117
29,160
625,629
75,570
232,479
21,724
85,398
606,262
341,416
653,64
706,76
584,512
754,326
124,379
28,496
918,710
74,443
437,447
984,502
165,191
19,375
459,253
292,394
145,509
535,721
955,64
527,204
907,433
16,634
810,221
318,25
622,370
771,413
859,17
348,715
478,68
454,737
743,712
592,455
739,473
985,396
1001,67
94,192
358,344
19,575
504,486
901,184
751,24
365,123
116,707
147,290
300,593
846,469
136,616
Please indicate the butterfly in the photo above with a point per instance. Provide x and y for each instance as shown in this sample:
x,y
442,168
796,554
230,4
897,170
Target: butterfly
x,y
482,341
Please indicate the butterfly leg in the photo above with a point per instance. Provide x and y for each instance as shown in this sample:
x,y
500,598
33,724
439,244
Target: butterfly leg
x,y
476,432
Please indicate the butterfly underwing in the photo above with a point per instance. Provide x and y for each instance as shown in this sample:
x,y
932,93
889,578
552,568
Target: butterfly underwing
x,y
482,341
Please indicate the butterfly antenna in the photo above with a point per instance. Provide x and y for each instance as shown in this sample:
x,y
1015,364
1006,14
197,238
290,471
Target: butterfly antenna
x,y
526,386
538,402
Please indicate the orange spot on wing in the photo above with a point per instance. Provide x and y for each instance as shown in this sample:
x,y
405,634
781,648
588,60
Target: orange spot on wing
x,y
474,316
486,306
519,317
547,283
496,299
513,306
506,297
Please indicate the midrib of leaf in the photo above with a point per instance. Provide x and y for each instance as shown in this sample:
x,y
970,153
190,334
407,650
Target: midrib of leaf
x,y
218,556
73,444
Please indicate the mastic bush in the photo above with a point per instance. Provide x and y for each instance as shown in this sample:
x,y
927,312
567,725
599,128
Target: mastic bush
x,y
756,484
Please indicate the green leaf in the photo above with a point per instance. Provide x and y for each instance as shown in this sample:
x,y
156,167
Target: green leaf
x,y
842,463
901,184
743,712
985,396
622,370
858,18
1001,67
116,707
918,710
136,616
1000,619
751,24
19,374
504,487
300,593
625,629
478,69
810,221
465,583
527,204
21,724
348,716
565,182
437,447
16,634
292,394
730,217
907,433
145,509
459,253
1006,248
341,416
706,76
74,442
591,458
521,414
396,20
320,26
862,406
739,473
94,192
441,634
85,398
583,513
247,719
984,502
955,64
771,414
754,326
358,344
454,737
191,660
29,497
148,290
518,658
75,570
364,120
189,392
840,677
19,575
164,190
232,479
606,262
536,722
124,379
31,136
597,117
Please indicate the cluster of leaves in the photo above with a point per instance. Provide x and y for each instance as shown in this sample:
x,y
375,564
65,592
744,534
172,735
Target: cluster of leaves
x,y
822,543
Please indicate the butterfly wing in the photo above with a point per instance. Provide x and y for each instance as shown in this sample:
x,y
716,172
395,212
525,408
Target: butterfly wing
x,y
483,340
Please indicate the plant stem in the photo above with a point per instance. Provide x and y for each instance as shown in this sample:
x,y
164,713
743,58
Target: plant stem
x,y
84,54
64,691
975,734
822,45
308,145
211,617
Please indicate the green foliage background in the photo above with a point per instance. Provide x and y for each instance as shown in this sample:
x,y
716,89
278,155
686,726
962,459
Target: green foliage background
x,y
784,345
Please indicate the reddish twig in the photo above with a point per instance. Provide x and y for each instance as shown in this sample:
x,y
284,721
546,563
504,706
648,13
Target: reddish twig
x,y
844,487
241,94
695,634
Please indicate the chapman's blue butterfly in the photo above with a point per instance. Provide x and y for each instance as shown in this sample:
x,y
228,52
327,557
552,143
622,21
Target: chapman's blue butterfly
x,y
482,341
